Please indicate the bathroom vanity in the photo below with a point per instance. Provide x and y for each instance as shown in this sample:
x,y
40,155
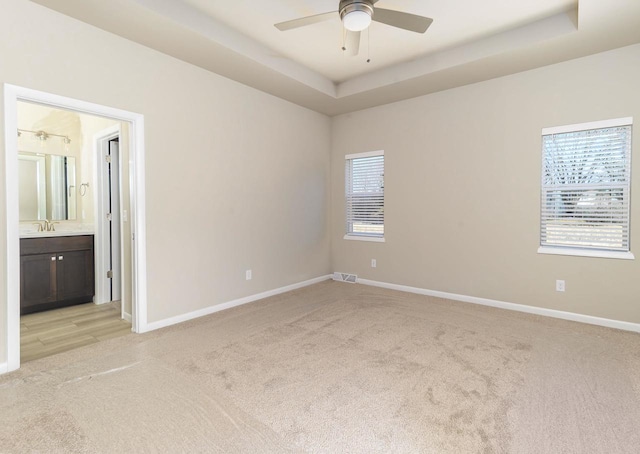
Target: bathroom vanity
x,y
56,271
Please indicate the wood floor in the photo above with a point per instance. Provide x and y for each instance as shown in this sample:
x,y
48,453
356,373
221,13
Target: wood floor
x,y
47,333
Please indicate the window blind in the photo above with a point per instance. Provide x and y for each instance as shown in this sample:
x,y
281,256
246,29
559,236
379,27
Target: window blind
x,y
364,187
586,188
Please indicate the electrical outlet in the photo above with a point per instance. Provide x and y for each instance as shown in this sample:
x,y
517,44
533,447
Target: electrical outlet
x,y
248,275
560,286
373,263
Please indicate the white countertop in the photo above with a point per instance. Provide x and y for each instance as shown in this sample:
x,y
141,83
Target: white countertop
x,y
36,234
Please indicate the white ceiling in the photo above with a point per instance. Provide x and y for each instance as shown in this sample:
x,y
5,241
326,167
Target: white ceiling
x,y
469,41
318,46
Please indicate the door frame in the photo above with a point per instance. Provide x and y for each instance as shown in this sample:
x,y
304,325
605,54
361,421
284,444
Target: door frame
x,y
100,148
13,94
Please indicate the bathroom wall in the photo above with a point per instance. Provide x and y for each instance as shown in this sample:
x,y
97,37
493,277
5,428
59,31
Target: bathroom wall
x,y
35,117
91,125
81,129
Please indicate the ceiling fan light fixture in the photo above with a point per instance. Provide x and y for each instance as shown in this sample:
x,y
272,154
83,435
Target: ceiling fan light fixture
x,y
356,15
356,21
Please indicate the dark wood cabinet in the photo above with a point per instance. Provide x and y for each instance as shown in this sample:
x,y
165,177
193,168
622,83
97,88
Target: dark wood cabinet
x,y
56,272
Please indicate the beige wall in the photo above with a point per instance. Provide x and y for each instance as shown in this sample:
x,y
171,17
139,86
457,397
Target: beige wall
x,y
236,179
462,188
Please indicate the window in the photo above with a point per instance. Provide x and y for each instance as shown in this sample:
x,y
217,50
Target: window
x,y
585,189
364,192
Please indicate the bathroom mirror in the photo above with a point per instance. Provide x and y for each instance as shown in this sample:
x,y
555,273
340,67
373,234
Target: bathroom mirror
x,y
47,187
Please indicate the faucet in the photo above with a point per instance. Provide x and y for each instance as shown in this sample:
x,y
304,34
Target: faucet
x,y
49,226
46,226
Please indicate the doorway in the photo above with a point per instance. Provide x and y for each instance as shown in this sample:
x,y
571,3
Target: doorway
x,y
112,191
112,214
137,239
59,308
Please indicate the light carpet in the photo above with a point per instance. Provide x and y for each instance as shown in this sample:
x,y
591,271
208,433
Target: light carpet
x,y
331,368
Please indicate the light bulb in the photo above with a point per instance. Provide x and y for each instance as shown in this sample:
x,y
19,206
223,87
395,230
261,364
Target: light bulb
x,y
356,21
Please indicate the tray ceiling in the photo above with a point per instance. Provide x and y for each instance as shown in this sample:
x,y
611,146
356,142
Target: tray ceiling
x,y
469,41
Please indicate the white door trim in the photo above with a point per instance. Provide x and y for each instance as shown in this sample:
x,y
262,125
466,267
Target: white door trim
x,y
13,94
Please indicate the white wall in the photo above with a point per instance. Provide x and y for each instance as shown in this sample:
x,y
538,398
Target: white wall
x,y
462,188
236,179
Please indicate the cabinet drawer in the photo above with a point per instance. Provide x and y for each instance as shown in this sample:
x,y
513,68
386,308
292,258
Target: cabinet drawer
x,y
47,245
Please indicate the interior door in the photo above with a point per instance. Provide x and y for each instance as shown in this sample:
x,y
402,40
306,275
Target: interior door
x,y
113,170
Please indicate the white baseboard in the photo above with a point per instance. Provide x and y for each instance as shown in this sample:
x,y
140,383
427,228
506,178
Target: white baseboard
x,y
126,317
228,305
609,323
4,368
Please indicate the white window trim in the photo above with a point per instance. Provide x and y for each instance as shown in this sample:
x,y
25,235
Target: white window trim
x,y
366,154
585,252
364,237
361,237
616,122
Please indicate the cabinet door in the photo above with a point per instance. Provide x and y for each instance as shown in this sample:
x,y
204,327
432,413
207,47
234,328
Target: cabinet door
x,y
38,280
75,275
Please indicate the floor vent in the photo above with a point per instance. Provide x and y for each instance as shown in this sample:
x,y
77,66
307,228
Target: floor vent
x,y
343,277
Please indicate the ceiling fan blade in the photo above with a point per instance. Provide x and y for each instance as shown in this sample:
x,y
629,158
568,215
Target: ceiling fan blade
x,y
406,21
352,43
301,22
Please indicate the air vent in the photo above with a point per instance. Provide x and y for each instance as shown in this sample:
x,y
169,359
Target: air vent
x,y
343,277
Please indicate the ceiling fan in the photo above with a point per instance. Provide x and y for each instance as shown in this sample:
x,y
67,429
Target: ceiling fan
x,y
356,16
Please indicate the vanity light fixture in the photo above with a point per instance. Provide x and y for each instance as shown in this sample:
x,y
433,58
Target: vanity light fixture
x,y
44,135
41,135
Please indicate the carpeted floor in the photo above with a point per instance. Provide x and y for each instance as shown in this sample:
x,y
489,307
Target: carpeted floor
x,y
336,368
